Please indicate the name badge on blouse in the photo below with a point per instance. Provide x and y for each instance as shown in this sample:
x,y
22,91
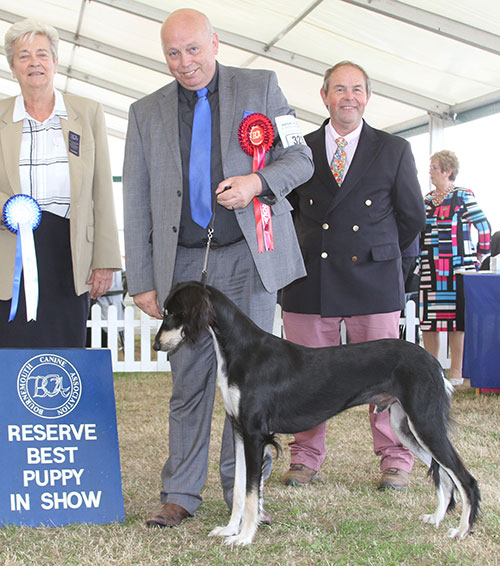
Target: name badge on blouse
x,y
74,143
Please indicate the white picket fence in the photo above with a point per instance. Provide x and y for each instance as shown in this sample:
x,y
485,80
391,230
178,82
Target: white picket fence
x,y
136,328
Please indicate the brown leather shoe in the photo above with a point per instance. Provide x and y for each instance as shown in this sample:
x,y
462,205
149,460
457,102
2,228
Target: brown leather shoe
x,y
393,478
299,474
170,515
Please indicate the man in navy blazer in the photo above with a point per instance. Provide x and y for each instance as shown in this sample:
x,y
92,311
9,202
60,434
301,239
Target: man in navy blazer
x,y
164,245
351,235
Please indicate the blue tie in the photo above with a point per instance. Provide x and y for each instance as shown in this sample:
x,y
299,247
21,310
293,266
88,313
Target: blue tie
x,y
200,190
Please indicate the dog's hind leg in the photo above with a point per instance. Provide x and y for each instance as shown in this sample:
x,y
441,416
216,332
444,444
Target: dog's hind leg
x,y
445,489
467,486
254,455
448,471
404,428
451,470
469,492
401,426
238,510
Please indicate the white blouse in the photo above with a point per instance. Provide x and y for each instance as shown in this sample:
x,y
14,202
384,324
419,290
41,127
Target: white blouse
x,y
43,159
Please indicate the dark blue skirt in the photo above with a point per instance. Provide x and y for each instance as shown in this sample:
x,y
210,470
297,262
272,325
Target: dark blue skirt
x,y
62,315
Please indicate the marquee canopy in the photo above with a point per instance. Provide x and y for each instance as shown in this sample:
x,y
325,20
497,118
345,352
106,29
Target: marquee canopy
x,y
428,59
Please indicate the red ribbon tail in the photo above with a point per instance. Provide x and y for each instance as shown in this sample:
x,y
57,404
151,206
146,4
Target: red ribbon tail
x,y
262,211
258,225
268,235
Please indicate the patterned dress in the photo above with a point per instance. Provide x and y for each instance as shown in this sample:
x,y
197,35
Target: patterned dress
x,y
447,246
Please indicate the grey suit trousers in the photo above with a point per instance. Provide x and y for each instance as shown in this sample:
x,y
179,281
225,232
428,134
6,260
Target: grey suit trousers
x,y
231,270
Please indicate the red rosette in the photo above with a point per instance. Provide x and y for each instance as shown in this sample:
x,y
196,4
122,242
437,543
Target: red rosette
x,y
256,131
256,136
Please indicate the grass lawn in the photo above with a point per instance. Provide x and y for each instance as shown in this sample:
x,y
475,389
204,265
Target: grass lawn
x,y
342,520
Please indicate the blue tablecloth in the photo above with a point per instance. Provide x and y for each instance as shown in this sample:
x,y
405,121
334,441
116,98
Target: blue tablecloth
x,y
482,329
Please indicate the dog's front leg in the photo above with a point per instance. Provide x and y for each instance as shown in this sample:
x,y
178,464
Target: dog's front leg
x,y
250,521
238,510
254,452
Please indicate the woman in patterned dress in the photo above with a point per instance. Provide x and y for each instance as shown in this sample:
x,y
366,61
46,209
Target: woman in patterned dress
x,y
447,248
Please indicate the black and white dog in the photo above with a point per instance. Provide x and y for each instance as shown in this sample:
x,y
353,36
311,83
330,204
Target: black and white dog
x,y
270,385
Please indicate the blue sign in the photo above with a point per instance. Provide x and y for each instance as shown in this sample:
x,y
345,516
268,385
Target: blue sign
x,y
58,438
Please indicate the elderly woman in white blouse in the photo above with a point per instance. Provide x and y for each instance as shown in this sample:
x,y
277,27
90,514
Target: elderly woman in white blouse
x,y
53,150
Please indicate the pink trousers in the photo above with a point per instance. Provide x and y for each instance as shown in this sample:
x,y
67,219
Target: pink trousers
x,y
309,448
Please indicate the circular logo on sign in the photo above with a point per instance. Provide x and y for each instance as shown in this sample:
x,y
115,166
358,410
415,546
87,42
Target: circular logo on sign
x,y
49,386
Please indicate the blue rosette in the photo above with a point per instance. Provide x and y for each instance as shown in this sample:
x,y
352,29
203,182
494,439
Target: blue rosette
x,y
21,214
21,209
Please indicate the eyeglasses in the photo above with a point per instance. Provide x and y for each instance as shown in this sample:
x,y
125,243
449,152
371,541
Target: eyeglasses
x,y
435,168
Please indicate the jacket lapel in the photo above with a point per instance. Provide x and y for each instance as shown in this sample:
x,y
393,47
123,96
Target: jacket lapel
x,y
363,160
10,142
227,108
73,125
316,142
169,111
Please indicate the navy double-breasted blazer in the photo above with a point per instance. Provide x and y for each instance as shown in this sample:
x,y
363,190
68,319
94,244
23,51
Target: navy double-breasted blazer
x,y
351,238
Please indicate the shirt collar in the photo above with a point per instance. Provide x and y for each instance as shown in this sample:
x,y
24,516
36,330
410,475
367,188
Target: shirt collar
x,y
212,86
350,137
59,108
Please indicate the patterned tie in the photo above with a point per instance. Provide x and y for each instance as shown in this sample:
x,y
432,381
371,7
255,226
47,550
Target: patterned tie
x,y
200,191
338,162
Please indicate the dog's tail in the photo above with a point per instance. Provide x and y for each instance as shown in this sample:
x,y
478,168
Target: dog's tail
x,y
271,439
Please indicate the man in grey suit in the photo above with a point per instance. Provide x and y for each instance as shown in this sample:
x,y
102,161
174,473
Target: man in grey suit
x,y
164,245
353,218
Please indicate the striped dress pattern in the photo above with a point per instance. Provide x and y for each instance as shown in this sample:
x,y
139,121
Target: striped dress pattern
x,y
447,246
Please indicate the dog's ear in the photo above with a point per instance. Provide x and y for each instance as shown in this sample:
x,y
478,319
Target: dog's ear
x,y
198,310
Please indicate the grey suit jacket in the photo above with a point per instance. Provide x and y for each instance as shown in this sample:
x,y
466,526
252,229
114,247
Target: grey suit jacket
x,y
152,181
93,231
352,237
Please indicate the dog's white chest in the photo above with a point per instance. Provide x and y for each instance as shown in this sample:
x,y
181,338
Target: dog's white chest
x,y
230,394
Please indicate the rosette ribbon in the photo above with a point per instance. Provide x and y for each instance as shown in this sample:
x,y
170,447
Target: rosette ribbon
x,y
256,135
21,215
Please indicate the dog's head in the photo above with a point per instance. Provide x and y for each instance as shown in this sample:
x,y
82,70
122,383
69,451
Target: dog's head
x,y
187,311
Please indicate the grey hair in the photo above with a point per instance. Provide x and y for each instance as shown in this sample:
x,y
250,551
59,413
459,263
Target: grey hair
x,y
328,73
29,28
447,161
